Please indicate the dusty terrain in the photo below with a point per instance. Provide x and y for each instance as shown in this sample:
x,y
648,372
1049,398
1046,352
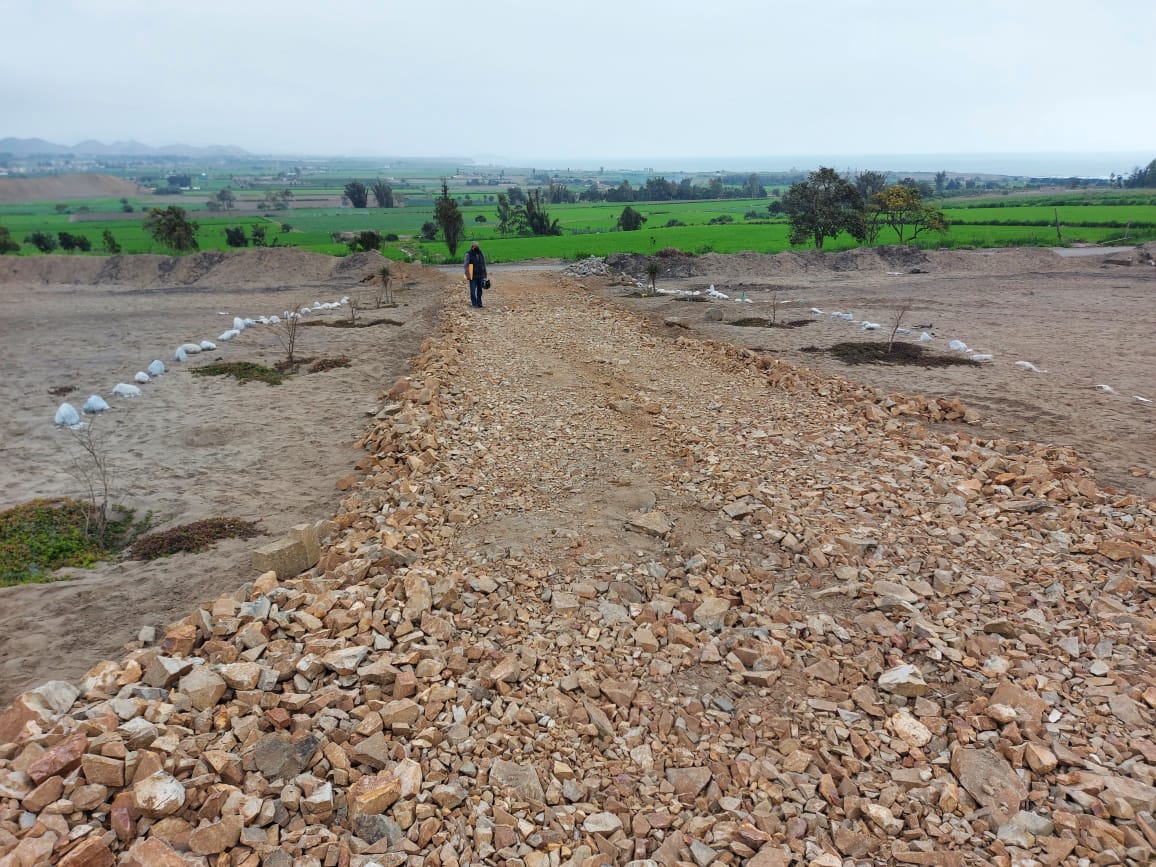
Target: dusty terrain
x,y
613,592
1086,321
78,186
190,447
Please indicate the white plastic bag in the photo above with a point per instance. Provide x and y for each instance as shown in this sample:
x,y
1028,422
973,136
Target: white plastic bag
x,y
142,377
95,404
156,368
123,389
67,416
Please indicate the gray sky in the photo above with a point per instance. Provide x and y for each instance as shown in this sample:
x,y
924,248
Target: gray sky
x,y
572,82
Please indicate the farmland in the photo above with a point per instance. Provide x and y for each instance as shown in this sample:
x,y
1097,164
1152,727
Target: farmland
x,y
314,213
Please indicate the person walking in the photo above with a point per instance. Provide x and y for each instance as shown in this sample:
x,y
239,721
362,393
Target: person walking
x,y
475,265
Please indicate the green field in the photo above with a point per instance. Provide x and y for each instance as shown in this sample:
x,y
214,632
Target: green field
x,y
587,228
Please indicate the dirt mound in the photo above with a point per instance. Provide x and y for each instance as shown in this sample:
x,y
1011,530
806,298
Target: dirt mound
x,y
83,186
264,267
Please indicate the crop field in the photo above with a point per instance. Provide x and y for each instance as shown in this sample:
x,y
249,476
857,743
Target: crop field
x,y
314,216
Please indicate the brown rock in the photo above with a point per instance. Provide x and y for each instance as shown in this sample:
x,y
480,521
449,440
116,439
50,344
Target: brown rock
x,y
990,780
159,795
523,779
102,770
216,837
61,759
373,794
152,853
91,852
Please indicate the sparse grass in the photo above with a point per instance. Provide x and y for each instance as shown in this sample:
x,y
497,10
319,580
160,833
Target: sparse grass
x,y
871,352
242,371
759,322
323,364
346,323
194,537
43,535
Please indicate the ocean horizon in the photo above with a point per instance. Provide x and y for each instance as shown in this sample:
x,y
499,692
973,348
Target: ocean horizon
x,y
1028,165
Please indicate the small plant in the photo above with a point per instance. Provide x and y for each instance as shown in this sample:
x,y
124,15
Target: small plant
x,y
242,371
287,331
385,291
896,321
91,466
652,270
775,305
43,535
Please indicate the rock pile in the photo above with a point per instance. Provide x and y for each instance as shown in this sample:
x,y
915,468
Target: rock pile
x,y
592,266
605,597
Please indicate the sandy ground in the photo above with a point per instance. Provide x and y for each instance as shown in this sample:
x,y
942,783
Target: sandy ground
x,y
1086,321
192,448
189,447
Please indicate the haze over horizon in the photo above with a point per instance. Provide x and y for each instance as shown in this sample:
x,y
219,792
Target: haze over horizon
x,y
617,84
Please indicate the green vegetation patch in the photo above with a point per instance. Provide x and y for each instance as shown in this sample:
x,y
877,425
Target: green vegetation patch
x,y
870,352
43,535
242,371
192,538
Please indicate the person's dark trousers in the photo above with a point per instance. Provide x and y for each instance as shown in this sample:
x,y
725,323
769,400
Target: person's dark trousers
x,y
476,293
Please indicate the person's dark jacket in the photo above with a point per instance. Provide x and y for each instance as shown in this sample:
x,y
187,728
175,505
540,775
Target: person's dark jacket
x,y
475,257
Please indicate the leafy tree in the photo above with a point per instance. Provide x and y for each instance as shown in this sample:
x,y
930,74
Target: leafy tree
x,y
630,220
516,195
67,241
357,193
823,206
235,236
126,206
225,199
257,233
110,244
869,183
429,230
449,219
7,245
83,243
383,192
45,242
940,182
172,228
1142,177
537,220
901,208
365,241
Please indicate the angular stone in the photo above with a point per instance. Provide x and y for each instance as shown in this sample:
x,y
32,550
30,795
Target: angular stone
x,y
653,523
523,779
59,760
378,829
711,613
905,680
601,823
688,781
910,729
90,852
286,557
152,852
203,686
102,770
278,757
990,780
373,794
216,837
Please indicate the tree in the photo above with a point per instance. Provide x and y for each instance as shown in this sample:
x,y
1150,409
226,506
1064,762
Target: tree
x,y
823,206
537,220
869,183
225,199
940,182
1142,177
42,241
368,240
383,192
449,219
630,220
516,195
7,245
67,241
357,193
110,244
901,207
429,230
257,233
172,228
235,236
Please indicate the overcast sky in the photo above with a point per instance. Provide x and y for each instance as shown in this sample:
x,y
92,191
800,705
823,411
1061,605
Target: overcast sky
x,y
585,80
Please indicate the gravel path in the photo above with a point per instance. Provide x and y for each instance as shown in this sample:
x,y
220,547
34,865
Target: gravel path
x,y
612,595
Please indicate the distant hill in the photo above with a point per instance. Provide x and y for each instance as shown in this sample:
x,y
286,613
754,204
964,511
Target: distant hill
x,y
63,187
29,147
